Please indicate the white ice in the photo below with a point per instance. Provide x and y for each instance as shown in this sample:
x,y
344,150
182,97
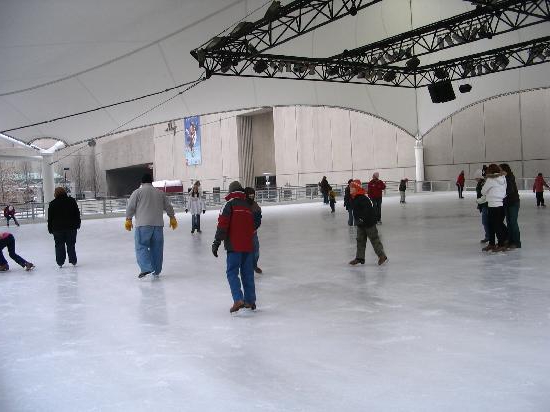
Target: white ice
x,y
440,327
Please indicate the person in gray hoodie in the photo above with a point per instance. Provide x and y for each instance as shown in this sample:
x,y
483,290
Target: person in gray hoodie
x,y
147,204
494,191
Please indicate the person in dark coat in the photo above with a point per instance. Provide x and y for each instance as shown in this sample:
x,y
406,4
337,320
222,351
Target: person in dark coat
x,y
325,188
482,205
63,222
348,204
511,207
9,213
402,189
460,180
365,219
236,230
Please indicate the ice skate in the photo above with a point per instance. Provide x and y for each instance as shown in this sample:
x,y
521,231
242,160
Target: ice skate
x,y
382,259
4,268
251,306
258,270
357,261
143,274
29,266
239,304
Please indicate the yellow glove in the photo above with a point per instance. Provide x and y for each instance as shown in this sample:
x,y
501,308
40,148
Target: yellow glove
x,y
173,223
128,225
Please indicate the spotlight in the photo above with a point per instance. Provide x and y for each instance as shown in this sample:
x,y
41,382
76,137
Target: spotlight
x,y
260,66
441,73
468,68
251,49
241,29
484,32
361,75
332,71
312,69
465,88
226,65
200,55
214,43
91,142
389,76
353,10
413,63
535,52
273,10
500,62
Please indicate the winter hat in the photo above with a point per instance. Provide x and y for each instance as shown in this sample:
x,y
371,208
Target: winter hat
x,y
147,178
356,184
478,174
235,186
375,175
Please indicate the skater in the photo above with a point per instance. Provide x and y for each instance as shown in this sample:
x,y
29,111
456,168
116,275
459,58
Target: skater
x,y
257,212
325,188
482,205
402,188
494,190
7,240
365,219
347,203
9,213
196,204
332,200
63,222
460,184
375,188
147,204
511,207
538,189
236,229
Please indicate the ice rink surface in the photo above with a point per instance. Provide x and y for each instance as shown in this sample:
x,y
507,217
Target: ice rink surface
x,y
440,327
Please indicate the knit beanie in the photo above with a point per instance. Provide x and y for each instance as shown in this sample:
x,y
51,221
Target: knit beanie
x,y
235,186
356,184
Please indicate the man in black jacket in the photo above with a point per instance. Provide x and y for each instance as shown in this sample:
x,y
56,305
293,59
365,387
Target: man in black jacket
x,y
63,222
365,219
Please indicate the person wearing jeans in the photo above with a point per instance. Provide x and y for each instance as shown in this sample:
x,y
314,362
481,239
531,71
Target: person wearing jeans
x,y
494,190
63,223
147,204
257,212
7,240
236,230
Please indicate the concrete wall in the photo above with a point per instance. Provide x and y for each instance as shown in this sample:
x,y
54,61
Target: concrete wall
x,y
314,141
263,143
513,128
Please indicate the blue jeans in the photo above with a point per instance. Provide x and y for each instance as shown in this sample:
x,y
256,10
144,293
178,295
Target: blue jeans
x,y
9,242
485,220
350,216
512,212
149,242
243,261
196,222
256,243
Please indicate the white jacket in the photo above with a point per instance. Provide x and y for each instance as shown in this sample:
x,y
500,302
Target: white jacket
x,y
195,204
494,190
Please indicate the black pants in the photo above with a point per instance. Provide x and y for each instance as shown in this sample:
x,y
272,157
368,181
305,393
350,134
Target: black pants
x,y
325,198
540,198
496,226
17,223
460,189
377,204
65,238
9,242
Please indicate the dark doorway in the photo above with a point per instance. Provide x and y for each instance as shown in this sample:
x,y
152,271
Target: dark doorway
x,y
122,182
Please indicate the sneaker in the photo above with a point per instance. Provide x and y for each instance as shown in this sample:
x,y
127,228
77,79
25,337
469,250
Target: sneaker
x,y
258,270
143,274
483,240
382,259
251,306
357,261
29,266
239,304
488,248
4,268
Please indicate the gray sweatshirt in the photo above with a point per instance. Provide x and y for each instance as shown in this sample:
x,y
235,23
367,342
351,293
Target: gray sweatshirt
x,y
147,204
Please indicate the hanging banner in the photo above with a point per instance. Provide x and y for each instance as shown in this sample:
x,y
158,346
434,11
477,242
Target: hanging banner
x,y
192,140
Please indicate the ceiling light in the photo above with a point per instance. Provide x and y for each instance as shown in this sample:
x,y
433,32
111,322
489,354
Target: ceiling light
x,y
389,76
465,88
413,63
260,66
441,73
273,10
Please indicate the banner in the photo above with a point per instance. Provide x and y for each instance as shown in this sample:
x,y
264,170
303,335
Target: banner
x,y
192,140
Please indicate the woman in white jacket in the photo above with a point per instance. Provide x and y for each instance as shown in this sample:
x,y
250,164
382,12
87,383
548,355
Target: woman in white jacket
x,y
494,191
195,205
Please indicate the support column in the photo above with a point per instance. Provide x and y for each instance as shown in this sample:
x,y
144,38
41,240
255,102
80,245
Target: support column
x,y
47,178
419,160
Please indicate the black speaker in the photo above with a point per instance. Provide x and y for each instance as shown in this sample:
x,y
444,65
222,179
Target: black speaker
x,y
441,92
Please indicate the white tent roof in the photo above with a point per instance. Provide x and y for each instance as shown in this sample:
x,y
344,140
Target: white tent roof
x,y
59,58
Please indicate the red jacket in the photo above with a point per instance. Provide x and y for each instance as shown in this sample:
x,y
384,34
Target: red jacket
x,y
236,224
539,184
375,187
460,180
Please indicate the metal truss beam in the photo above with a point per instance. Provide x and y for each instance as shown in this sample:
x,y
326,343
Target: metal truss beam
x,y
511,57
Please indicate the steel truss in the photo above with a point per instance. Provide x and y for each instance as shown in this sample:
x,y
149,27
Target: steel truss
x,y
511,57
382,62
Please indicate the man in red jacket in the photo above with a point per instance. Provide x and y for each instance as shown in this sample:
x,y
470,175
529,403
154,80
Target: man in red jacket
x,y
538,189
374,191
236,229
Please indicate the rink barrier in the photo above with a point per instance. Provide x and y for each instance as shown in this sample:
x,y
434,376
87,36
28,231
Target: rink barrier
x,y
279,195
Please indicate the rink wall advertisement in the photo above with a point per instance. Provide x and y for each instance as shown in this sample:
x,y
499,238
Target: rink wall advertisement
x,y
192,140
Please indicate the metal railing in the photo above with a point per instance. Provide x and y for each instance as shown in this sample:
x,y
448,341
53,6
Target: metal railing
x,y
284,194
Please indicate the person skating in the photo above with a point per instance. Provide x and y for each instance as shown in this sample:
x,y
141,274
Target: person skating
x,y
147,204
482,204
63,223
7,240
460,180
375,188
494,190
325,188
365,219
538,189
9,213
511,207
332,200
257,211
195,206
348,204
402,189
236,230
